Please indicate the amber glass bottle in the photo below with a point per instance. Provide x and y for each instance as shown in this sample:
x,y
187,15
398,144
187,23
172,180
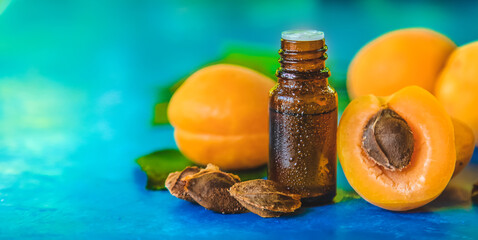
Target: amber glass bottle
x,y
303,119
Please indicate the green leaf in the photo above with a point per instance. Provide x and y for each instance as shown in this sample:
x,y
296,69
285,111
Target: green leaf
x,y
161,113
176,85
250,174
158,165
263,64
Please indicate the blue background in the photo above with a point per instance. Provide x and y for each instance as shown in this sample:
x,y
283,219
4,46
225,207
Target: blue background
x,y
79,81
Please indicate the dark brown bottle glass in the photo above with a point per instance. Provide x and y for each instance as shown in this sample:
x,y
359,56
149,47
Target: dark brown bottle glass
x,y
303,119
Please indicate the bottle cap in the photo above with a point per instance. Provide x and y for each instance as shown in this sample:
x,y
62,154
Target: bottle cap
x,y
302,35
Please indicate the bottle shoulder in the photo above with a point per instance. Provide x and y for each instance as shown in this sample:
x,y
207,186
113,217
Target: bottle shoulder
x,y
279,91
304,100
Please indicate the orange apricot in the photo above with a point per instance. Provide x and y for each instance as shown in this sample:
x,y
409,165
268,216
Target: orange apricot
x,y
457,85
220,116
464,144
413,171
398,59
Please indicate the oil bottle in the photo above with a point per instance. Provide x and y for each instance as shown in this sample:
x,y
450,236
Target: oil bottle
x,y
303,119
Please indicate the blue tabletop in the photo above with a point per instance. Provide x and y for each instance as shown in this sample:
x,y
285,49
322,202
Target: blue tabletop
x,y
78,85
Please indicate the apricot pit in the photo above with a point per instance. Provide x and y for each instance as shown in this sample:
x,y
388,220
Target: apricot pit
x,y
388,140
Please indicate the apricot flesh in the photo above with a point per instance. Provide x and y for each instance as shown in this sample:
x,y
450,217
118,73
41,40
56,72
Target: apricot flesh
x,y
397,59
457,86
432,162
220,116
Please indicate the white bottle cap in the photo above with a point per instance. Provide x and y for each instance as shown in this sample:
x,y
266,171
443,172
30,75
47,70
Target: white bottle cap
x,y
302,35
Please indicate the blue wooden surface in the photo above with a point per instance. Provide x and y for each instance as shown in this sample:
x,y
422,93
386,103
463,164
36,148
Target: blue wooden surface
x,y
76,177
78,81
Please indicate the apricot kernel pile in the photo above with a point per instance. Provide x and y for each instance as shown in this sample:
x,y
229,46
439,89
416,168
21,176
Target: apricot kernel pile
x,y
225,193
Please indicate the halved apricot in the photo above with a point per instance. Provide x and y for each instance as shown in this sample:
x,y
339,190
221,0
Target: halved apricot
x,y
411,156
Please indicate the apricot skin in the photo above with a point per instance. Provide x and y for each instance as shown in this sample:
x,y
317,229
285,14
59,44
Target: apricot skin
x,y
433,159
464,144
220,116
398,59
457,86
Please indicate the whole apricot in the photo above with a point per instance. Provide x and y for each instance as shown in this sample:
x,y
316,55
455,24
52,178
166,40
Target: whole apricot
x,y
457,86
398,59
464,144
397,152
220,116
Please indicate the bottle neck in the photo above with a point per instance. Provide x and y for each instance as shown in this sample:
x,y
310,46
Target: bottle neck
x,y
303,61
